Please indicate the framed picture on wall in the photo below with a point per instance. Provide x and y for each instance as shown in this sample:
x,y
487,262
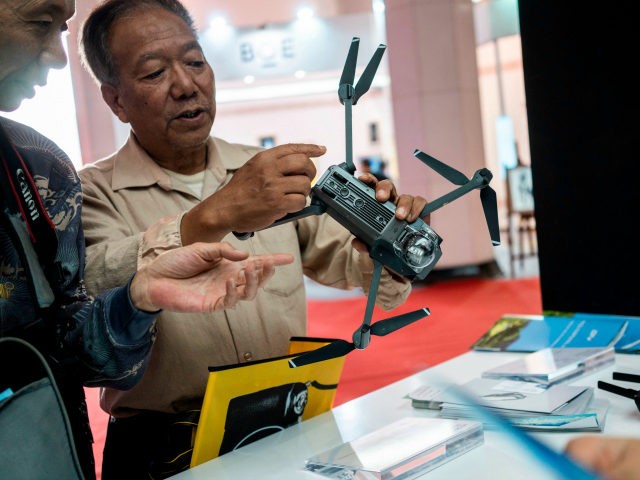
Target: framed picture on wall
x,y
520,186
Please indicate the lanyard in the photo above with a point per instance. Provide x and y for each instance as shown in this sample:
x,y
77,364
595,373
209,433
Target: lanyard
x,y
22,197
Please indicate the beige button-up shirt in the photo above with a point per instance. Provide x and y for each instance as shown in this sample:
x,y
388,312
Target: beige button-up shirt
x,y
131,213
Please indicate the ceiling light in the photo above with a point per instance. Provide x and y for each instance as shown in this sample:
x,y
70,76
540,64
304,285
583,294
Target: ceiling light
x,y
378,6
305,13
218,22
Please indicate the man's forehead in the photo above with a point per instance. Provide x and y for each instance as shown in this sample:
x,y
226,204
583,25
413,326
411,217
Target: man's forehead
x,y
150,23
149,36
66,8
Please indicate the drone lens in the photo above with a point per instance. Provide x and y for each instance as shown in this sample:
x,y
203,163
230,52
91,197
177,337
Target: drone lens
x,y
417,250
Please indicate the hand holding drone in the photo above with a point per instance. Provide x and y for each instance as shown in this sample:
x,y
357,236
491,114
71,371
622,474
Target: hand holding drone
x,y
409,249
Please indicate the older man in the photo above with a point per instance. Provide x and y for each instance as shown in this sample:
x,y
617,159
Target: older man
x,y
172,184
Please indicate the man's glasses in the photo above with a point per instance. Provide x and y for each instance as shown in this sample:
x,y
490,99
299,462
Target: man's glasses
x,y
625,392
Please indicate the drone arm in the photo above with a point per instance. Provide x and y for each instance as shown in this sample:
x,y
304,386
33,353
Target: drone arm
x,y
348,133
478,181
362,336
313,209
316,208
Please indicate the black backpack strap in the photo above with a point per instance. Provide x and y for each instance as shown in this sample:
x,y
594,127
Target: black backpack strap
x,y
36,435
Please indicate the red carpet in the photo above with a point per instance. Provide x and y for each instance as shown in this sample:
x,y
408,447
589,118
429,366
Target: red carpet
x,y
461,311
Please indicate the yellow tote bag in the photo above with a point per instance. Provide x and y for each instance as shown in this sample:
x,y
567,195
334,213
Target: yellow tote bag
x,y
249,401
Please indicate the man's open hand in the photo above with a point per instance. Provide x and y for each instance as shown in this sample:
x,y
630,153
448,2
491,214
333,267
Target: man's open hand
x,y
202,277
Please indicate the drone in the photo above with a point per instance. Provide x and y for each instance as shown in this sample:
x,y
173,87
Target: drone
x,y
408,249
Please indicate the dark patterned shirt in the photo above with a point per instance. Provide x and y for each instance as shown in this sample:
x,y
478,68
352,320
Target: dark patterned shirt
x,y
109,335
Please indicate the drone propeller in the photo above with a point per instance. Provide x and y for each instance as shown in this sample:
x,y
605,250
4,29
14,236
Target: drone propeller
x,y
366,79
480,180
339,348
362,336
450,173
349,94
349,71
489,206
335,349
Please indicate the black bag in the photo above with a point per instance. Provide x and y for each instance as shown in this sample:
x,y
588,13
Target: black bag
x,y
35,435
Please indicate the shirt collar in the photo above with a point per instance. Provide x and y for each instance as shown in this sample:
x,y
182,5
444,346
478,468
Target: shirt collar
x,y
133,167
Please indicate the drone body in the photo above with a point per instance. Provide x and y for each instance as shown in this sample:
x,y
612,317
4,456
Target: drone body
x,y
409,249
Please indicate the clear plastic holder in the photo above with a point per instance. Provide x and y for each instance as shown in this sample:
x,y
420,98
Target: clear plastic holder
x,y
402,450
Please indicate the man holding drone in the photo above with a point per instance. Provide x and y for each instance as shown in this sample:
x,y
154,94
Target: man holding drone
x,y
172,184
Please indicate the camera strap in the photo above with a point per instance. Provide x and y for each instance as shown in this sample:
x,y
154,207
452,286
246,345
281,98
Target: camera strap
x,y
27,220
22,196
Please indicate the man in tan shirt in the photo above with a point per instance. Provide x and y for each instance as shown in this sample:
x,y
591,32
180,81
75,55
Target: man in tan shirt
x,y
172,184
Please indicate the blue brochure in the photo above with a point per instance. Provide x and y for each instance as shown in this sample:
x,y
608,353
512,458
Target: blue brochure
x,y
530,333
630,340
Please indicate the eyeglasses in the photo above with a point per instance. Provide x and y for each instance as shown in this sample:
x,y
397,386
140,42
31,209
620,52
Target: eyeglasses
x,y
625,392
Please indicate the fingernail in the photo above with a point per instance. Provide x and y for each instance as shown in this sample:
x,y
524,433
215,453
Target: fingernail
x,y
401,210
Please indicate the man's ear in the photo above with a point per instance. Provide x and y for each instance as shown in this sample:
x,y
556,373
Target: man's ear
x,y
111,96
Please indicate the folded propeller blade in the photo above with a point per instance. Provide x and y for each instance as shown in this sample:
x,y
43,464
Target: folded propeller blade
x,y
390,325
490,207
335,349
339,348
450,173
366,79
349,71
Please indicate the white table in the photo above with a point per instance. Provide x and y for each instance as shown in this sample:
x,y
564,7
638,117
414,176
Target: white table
x,y
282,456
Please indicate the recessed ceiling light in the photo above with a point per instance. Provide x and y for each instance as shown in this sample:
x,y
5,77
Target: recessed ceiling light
x,y
217,22
378,6
304,13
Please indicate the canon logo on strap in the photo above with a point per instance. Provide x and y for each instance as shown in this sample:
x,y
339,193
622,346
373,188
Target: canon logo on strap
x,y
26,194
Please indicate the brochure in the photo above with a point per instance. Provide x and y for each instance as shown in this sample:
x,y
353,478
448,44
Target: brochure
x,y
530,333
584,413
590,419
630,340
404,449
552,365
527,405
511,397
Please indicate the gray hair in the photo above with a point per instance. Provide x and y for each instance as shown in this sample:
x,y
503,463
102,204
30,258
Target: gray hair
x,y
94,39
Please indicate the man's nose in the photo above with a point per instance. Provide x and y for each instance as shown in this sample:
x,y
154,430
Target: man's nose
x,y
182,84
54,55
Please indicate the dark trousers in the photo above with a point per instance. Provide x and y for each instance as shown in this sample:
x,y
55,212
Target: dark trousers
x,y
149,445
